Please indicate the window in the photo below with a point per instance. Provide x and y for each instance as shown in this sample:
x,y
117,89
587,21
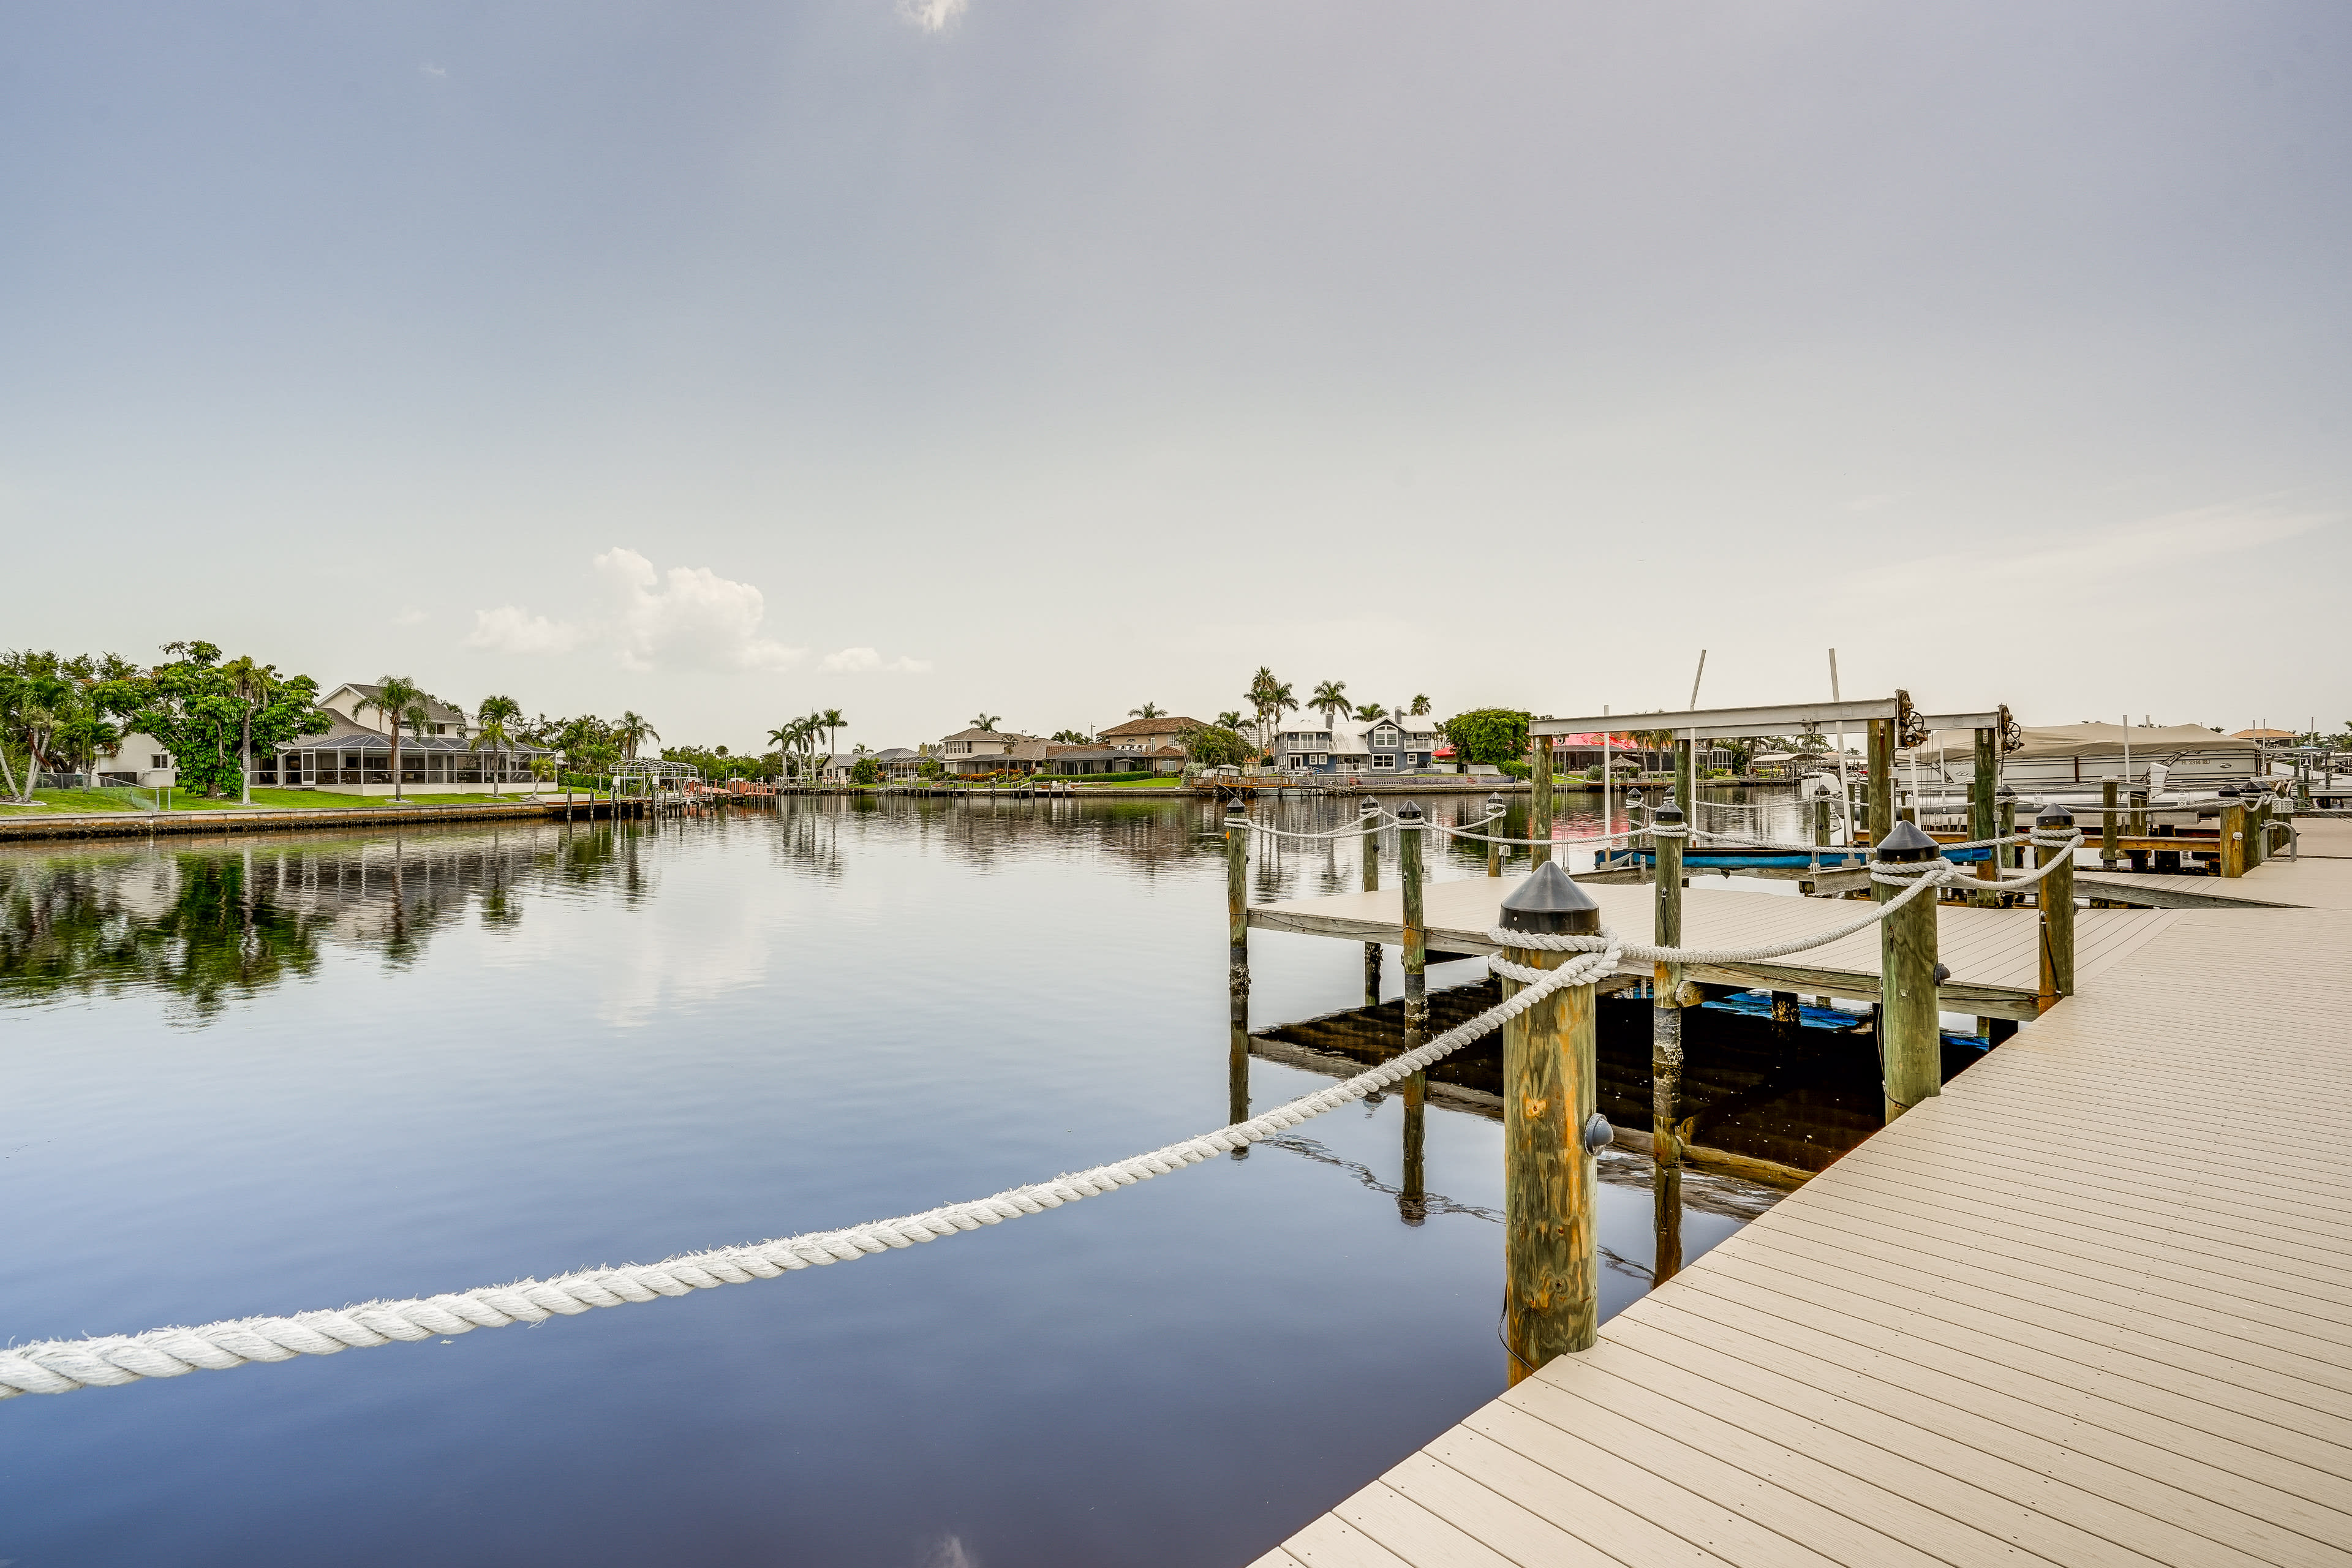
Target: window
x,y
1384,736
159,760
1320,758
1383,760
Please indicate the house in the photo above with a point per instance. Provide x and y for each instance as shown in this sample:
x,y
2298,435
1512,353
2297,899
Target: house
x,y
139,758
354,755
1065,761
893,762
976,753
1166,732
358,705
1313,744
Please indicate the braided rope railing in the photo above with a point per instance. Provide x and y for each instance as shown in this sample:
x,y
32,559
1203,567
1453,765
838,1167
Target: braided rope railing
x,y
61,1367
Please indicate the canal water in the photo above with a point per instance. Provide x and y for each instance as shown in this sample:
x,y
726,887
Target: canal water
x,y
278,1073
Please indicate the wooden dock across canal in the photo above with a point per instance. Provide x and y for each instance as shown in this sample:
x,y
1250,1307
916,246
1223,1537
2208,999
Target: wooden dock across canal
x,y
2092,1305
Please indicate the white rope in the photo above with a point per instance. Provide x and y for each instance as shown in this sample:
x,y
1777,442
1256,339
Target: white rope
x,y
61,1367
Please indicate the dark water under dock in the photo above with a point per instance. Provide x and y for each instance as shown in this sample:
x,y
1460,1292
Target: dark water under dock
x,y
269,1075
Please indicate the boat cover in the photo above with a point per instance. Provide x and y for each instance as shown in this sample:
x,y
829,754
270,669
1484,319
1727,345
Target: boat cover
x,y
2059,741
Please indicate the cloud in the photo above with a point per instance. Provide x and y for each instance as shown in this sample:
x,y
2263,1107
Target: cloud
x,y
687,617
410,616
511,628
866,661
2169,542
933,15
439,72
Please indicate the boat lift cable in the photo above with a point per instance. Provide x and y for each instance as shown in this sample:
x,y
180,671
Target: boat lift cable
x,y
62,1366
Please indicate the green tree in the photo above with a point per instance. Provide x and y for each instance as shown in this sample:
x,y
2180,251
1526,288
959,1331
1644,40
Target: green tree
x,y
400,701
493,734
1330,699
987,721
1216,746
632,731
866,772
1490,736
1420,706
1149,711
1371,711
1074,737
1229,719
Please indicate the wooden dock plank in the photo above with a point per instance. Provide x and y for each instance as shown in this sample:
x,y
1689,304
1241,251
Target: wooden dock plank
x,y
2092,1305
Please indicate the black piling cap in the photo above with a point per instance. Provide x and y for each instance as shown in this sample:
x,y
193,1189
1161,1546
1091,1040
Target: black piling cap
x,y
1370,806
1551,903
2231,791
1232,808
1667,813
1904,842
2004,793
1632,797
2053,816
1494,802
1409,812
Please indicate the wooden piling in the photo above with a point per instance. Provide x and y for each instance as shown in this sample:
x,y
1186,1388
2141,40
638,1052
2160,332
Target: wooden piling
x,y
2234,833
2258,830
1983,815
1416,924
1882,779
2055,897
1550,1236
1371,878
2110,826
1237,836
1910,1045
1686,779
1494,831
2004,803
1539,803
1666,1044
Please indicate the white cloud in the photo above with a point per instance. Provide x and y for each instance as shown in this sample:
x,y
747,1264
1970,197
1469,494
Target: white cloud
x,y
410,616
867,661
439,72
688,617
511,628
933,15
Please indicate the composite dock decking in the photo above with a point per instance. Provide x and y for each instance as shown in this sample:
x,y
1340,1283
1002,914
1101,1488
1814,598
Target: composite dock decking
x,y
2092,1305
1994,955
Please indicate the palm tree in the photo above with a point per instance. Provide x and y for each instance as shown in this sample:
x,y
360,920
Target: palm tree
x,y
1074,737
1149,711
254,686
782,739
1370,711
834,724
1330,696
986,721
1260,698
1229,720
632,731
398,699
1420,706
494,715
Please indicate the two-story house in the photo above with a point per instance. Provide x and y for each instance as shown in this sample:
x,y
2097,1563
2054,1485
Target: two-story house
x,y
355,756
972,753
1385,745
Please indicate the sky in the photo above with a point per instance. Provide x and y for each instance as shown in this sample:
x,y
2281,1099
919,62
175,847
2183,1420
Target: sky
x,y
931,358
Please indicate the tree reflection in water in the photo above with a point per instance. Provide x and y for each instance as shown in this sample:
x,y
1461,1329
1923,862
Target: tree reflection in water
x,y
205,927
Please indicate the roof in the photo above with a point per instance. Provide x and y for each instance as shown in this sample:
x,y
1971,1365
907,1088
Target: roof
x,y
1165,724
2044,741
2264,735
346,738
440,712
976,734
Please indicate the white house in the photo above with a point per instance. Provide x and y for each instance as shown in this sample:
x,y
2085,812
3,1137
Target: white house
x,y
355,756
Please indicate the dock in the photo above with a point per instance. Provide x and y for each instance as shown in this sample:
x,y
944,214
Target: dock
x,y
2092,1304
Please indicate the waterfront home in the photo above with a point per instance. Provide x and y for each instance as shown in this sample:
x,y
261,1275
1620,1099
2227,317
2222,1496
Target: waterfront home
x,y
359,705
138,759
1066,760
979,751
1383,745
894,762
1164,734
354,755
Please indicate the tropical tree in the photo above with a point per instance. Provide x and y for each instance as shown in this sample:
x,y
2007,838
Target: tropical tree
x,y
1370,711
1284,699
1488,735
1074,737
986,721
493,717
1261,697
252,685
395,697
37,694
1149,711
1229,720
632,731
1216,746
1420,705
1330,698
211,716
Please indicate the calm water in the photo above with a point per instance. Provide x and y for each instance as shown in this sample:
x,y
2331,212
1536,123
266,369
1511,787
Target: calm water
x,y
294,1072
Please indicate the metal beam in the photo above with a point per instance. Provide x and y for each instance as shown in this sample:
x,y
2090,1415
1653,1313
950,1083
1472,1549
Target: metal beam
x,y
1992,720
1718,723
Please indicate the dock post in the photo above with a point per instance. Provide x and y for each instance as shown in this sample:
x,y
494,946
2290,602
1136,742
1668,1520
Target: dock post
x,y
1237,979
2004,811
1686,779
1821,821
2234,832
1882,779
1495,830
1910,1045
1540,801
1984,776
2109,825
2258,828
1416,996
1666,1043
1371,820
2056,898
1550,1233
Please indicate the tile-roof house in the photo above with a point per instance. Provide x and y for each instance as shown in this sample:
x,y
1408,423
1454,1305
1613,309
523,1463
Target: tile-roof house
x,y
1150,734
353,756
979,751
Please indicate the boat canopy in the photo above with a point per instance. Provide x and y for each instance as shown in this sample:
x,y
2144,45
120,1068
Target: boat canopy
x,y
2056,742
